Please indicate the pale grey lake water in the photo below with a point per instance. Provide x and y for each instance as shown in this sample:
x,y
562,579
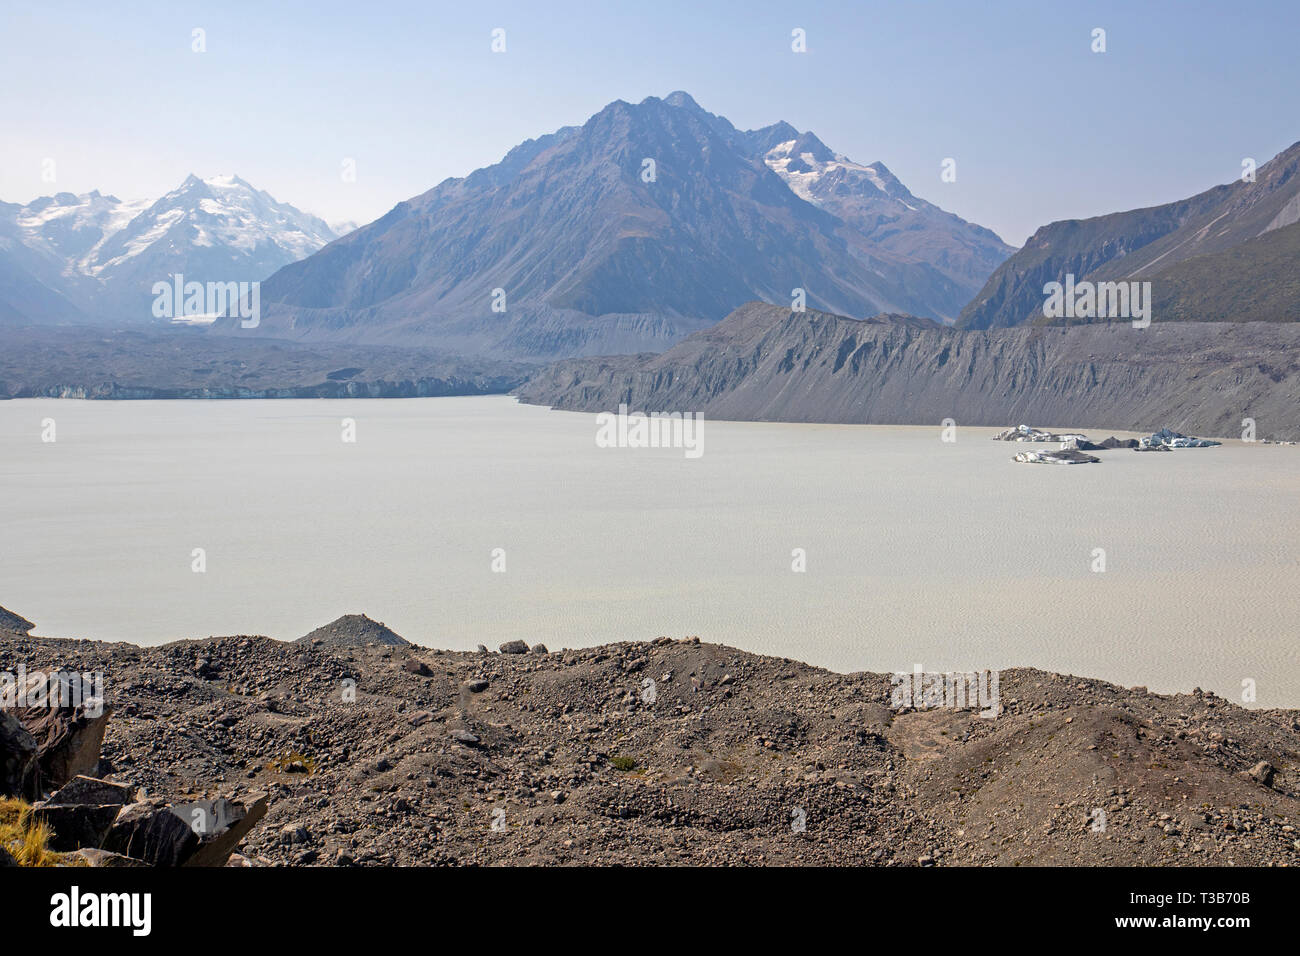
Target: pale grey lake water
x,y
947,555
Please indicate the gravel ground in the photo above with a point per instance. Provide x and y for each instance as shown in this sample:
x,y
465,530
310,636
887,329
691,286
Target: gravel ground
x,y
678,752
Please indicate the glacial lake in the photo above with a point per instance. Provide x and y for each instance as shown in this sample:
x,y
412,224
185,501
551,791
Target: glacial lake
x,y
918,551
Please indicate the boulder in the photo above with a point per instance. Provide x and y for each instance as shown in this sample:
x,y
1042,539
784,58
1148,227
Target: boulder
x,y
1262,773
83,789
513,647
77,825
199,833
82,812
19,769
68,739
231,820
150,831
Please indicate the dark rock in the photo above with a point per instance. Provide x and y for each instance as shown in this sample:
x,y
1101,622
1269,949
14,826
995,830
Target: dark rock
x,y
76,825
6,859
291,835
92,790
68,739
200,833
1262,773
513,647
419,668
540,649
19,770
477,686
152,832
231,821
465,737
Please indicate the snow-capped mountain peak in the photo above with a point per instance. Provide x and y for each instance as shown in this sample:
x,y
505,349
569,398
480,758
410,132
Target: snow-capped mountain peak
x,y
111,252
68,227
224,211
809,168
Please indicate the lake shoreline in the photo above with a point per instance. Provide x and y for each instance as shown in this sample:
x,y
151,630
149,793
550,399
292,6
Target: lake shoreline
x,y
409,390
480,519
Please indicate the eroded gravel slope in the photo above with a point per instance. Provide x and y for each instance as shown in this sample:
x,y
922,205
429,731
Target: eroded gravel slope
x,y
486,758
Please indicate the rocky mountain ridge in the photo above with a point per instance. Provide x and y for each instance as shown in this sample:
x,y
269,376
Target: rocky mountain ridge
x,y
767,363
648,222
1231,253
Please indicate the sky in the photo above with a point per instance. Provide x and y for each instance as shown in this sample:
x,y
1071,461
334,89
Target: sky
x,y
285,94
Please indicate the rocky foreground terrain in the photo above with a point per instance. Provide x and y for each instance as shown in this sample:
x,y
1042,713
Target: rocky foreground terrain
x,y
677,752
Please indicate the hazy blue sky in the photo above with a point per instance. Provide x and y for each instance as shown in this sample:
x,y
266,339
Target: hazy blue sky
x,y
1041,127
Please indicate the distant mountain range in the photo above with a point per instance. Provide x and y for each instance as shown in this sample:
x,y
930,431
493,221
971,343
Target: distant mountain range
x,y
1231,253
648,222
767,363
94,258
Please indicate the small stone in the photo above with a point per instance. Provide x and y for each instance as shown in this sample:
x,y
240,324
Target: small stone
x,y
293,834
464,737
477,686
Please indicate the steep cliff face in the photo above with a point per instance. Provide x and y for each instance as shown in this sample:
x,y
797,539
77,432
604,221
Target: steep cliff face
x,y
766,363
